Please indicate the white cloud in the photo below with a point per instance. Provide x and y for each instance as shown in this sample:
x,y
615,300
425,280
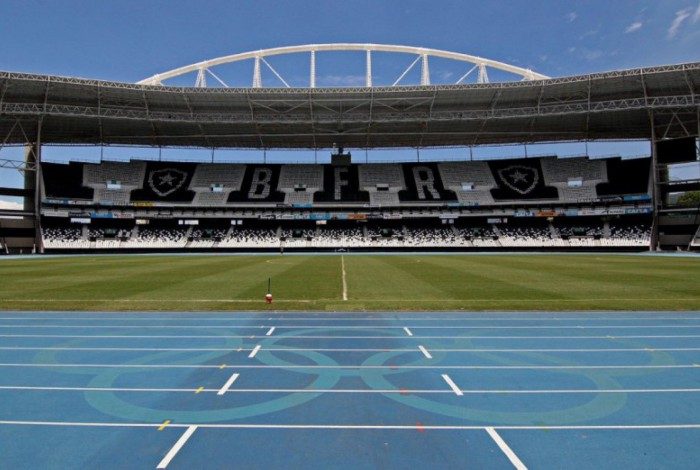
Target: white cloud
x,y
681,16
572,16
11,205
636,26
341,80
589,33
696,15
446,75
589,54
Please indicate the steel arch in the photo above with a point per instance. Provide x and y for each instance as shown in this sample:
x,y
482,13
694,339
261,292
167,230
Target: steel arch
x,y
422,54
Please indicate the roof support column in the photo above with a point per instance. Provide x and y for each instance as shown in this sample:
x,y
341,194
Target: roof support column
x,y
424,71
312,70
655,203
201,81
32,154
483,75
257,79
368,69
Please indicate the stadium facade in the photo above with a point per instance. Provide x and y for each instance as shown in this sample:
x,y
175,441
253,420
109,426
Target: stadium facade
x,y
530,203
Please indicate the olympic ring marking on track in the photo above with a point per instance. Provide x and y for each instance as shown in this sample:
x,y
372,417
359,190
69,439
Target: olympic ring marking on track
x,y
599,406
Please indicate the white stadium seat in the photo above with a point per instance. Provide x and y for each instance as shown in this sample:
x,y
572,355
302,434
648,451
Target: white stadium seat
x,y
471,181
113,181
383,182
223,176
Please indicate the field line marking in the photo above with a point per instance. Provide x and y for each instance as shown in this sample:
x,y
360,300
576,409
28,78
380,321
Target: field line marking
x,y
254,351
517,463
452,385
345,284
409,427
460,301
269,332
408,332
461,316
228,384
164,425
425,352
174,299
176,448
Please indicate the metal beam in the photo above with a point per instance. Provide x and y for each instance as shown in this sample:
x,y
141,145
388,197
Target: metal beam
x,y
526,74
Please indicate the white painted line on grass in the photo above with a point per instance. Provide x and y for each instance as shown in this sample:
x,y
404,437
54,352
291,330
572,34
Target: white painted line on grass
x,y
406,427
254,351
444,301
176,448
345,284
517,463
408,332
452,385
455,316
425,352
228,383
269,332
438,316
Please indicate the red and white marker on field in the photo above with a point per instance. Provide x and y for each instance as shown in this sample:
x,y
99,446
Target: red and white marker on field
x,y
268,296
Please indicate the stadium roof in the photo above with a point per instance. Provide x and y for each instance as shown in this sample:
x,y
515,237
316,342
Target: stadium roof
x,y
611,105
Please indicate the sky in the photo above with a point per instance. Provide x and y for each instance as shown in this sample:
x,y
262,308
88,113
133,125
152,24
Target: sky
x,y
131,40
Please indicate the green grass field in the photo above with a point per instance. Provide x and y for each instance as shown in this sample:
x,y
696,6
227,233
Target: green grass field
x,y
374,282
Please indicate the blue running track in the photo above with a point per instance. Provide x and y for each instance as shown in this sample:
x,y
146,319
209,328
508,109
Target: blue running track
x,y
341,390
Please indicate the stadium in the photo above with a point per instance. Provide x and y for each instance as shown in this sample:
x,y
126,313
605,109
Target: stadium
x,y
348,311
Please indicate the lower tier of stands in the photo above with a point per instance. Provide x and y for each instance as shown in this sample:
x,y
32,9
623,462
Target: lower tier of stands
x,y
400,234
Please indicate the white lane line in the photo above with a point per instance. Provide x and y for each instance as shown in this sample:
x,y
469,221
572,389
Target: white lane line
x,y
517,463
425,352
269,332
88,365
176,448
588,337
345,284
350,391
452,385
228,383
292,349
254,351
365,327
407,427
408,332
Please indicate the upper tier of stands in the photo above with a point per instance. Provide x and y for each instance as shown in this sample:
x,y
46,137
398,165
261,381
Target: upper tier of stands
x,y
299,183
575,179
472,182
383,182
535,180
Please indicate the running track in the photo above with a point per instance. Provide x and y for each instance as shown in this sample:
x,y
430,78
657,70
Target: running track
x,y
322,390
